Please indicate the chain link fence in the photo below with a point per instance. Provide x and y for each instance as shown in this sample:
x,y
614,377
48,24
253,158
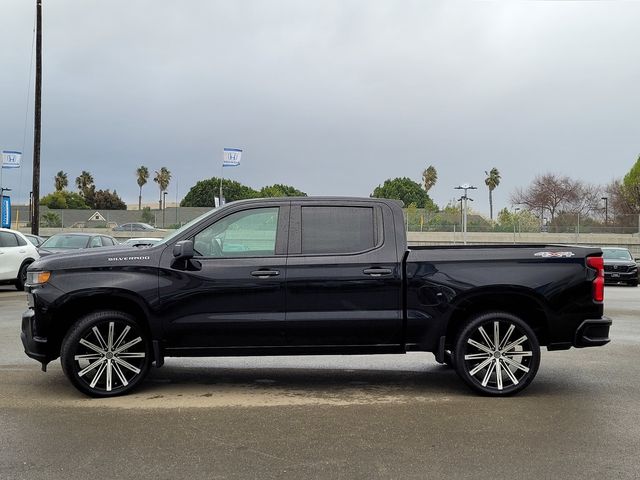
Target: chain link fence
x,y
422,220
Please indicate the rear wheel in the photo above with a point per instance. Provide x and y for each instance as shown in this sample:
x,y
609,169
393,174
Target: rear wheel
x,y
497,354
106,354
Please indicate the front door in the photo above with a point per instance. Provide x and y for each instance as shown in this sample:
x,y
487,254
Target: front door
x,y
233,296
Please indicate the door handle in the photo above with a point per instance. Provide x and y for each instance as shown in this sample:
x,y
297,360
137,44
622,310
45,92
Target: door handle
x,y
377,271
265,273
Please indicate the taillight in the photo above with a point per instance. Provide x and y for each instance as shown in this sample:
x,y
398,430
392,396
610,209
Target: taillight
x,y
597,263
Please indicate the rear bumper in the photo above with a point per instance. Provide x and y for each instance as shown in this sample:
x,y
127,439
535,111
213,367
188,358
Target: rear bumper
x,y
34,346
593,333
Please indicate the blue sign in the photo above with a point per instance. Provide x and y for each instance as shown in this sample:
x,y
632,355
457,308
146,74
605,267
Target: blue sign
x,y
6,212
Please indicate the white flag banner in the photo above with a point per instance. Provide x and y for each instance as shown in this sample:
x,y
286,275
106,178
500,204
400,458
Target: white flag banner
x,y
231,157
11,159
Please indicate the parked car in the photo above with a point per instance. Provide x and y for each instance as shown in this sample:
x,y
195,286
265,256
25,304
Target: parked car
x,y
16,254
64,242
36,240
312,276
141,242
619,266
134,227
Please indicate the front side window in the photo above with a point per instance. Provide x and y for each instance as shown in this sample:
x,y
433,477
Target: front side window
x,y
250,233
107,242
337,230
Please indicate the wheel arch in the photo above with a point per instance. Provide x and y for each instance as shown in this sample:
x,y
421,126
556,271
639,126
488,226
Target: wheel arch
x,y
80,304
522,304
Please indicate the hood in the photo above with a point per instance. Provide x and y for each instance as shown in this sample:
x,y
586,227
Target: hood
x,y
95,257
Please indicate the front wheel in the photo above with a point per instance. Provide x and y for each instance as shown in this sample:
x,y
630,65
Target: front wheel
x,y
106,354
497,354
22,276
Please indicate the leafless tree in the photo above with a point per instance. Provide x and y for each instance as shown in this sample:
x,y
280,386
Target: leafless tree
x,y
558,194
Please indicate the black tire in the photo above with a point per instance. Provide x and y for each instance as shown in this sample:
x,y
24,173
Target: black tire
x,y
500,371
96,363
22,276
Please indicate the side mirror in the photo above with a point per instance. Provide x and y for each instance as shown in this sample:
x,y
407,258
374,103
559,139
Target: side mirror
x,y
183,250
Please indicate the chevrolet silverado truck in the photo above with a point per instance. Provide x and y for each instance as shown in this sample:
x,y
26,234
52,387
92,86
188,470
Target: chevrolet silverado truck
x,y
296,276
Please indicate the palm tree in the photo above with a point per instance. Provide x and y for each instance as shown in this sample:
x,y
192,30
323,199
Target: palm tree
x,y
492,181
162,178
84,183
61,181
429,177
143,175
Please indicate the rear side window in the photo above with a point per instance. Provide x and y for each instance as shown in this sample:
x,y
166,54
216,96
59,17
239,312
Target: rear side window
x,y
8,239
337,229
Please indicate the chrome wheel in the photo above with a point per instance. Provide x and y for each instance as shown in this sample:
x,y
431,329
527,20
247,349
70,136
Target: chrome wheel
x,y
498,354
106,356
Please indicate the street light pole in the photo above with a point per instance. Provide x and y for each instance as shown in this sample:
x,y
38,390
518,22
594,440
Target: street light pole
x,y
465,187
164,205
515,213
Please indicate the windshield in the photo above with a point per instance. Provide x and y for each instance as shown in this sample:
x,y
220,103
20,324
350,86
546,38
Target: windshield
x,y
66,241
616,254
186,226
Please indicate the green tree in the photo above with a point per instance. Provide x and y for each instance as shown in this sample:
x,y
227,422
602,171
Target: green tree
x,y
162,178
107,200
406,190
627,194
51,220
142,174
204,192
492,181
61,181
63,199
85,184
280,190
429,178
147,216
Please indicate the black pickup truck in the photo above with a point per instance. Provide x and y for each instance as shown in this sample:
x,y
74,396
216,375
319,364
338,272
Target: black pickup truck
x,y
295,276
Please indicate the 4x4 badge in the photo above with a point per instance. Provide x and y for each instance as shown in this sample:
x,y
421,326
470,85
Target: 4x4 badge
x,y
554,254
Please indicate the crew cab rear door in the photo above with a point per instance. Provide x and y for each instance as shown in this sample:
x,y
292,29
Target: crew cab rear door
x,y
344,280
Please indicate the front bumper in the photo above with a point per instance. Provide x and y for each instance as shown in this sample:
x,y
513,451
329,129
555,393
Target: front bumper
x,y
618,277
593,333
34,346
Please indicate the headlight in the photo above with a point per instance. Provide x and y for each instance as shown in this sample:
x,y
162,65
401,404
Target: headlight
x,y
38,278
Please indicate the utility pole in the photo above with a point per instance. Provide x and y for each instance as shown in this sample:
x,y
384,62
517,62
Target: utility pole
x,y
35,220
465,187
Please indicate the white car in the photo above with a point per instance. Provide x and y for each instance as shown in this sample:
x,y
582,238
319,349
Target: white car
x,y
16,254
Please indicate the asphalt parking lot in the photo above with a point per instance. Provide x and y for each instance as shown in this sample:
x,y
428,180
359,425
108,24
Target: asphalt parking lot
x,y
363,417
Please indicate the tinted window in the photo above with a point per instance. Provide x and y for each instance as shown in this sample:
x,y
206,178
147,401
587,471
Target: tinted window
x,y
248,233
95,242
337,229
21,241
8,239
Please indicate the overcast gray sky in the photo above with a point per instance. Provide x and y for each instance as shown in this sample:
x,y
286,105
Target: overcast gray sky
x,y
332,97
